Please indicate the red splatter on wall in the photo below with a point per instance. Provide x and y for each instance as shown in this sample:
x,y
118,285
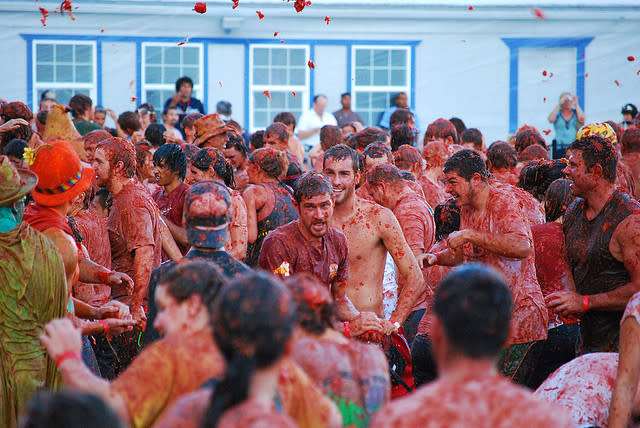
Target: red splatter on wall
x,y
45,15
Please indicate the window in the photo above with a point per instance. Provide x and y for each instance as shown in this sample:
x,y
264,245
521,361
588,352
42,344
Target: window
x,y
379,73
163,64
280,70
66,67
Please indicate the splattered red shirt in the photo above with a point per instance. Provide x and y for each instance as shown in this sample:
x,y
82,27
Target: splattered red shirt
x,y
434,193
171,205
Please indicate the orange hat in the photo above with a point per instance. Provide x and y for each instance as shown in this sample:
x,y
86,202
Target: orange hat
x,y
209,126
61,175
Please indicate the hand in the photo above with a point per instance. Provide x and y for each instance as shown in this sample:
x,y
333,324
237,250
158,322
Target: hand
x,y
119,326
114,309
176,98
388,327
565,303
137,312
60,336
458,238
12,124
365,321
169,137
575,100
428,259
119,278
112,114
137,136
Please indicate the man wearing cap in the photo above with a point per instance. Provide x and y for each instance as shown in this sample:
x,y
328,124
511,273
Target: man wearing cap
x,y
33,292
207,217
629,115
211,131
602,240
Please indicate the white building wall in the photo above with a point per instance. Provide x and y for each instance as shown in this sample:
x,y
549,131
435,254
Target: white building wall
x,y
330,74
226,78
119,77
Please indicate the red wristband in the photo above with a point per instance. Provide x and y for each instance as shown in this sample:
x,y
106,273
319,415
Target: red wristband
x,y
105,325
103,275
347,329
585,303
438,258
66,356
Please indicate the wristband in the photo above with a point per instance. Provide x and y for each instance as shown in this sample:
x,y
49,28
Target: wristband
x,y
438,258
396,324
585,303
66,356
103,275
347,329
105,325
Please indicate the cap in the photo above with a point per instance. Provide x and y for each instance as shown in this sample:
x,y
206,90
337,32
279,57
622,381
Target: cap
x,y
208,214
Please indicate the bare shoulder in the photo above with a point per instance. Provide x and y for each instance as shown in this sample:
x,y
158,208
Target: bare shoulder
x,y
373,211
628,231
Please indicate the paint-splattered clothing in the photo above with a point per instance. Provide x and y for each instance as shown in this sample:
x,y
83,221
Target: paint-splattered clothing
x,y
286,252
433,276
133,223
504,215
166,370
594,268
531,207
364,193
471,399
171,205
434,193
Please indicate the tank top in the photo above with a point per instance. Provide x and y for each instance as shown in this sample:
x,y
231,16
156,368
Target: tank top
x,y
594,268
283,212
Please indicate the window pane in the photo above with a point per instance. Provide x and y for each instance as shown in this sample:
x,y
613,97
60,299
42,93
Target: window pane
x,y
363,76
153,55
260,76
261,119
44,73
363,100
64,73
44,53
193,72
260,100
153,74
84,54
278,57
277,99
64,53
84,73
172,55
363,57
64,95
399,58
294,103
398,77
380,58
190,55
380,100
154,97
298,76
261,56
380,77
297,57
171,74
279,76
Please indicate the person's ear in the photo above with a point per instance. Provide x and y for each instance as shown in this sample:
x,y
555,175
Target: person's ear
x,y
597,170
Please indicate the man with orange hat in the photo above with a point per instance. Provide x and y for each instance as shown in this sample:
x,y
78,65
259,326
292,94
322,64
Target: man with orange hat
x,y
33,292
211,131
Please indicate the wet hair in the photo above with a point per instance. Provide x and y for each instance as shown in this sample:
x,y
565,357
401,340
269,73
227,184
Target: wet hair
x,y
534,152
270,160
79,104
120,150
258,317
201,278
557,199
151,111
407,154
401,134
406,175
285,117
384,173
142,151
341,152
95,136
435,153
181,81
42,116
472,135
190,150
312,184
129,120
172,156
400,115
223,107
278,130
68,409
501,155
104,198
465,163
536,176
597,150
256,141
473,305
528,137
459,125
447,218
376,151
330,135
16,110
441,129
237,142
316,310
208,157
360,140
15,148
155,134
190,119
630,142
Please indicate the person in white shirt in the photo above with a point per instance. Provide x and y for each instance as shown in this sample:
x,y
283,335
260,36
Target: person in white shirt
x,y
311,121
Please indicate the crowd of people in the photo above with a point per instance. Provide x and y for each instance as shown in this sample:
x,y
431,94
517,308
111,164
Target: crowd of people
x,y
317,273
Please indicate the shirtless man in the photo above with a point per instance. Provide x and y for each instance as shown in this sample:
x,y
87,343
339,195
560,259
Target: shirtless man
x,y
371,231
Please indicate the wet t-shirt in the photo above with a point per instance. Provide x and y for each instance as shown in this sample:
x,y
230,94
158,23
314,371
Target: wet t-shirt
x,y
286,252
171,205
530,206
471,399
133,223
503,215
364,193
505,176
434,193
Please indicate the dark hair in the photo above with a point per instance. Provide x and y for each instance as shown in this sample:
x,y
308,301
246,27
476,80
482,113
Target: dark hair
x,y
285,117
394,99
401,134
104,198
315,98
400,115
271,161
68,409
316,309
224,107
181,81
149,110
533,152
384,173
16,110
190,119
120,150
252,321
406,156
278,130
536,176
472,135
465,163
172,156
208,157
142,151
312,184
341,152
15,148
330,135
528,137
557,199
447,218
360,140
459,125
630,142
441,129
256,141
597,150
44,94
376,151
155,134
237,142
129,120
42,116
501,155
473,304
344,94
167,108
79,103
200,277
